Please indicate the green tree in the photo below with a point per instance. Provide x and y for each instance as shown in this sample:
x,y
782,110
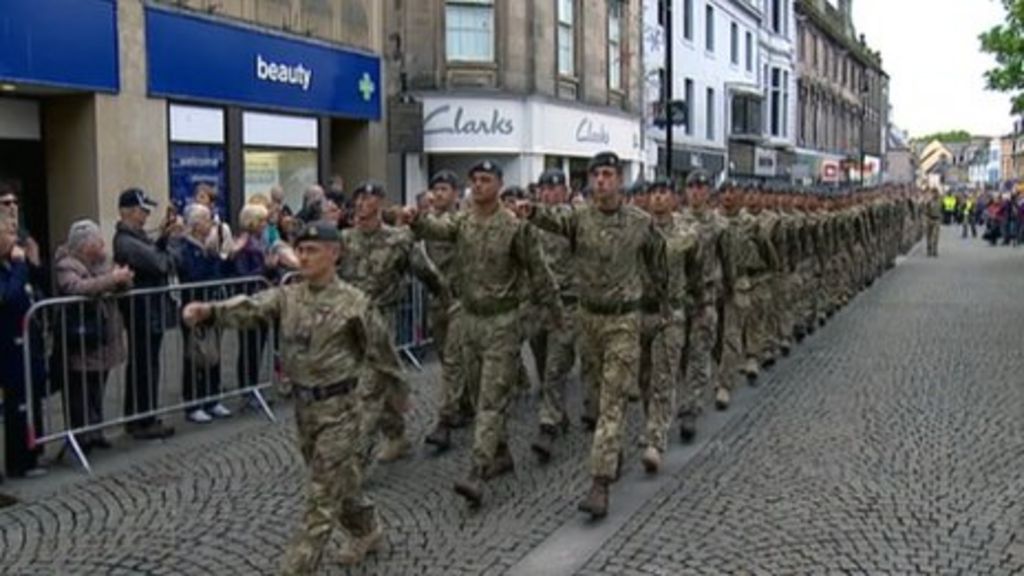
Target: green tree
x,y
1006,42
948,136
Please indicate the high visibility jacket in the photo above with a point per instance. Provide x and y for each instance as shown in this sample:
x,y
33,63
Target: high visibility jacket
x,y
949,203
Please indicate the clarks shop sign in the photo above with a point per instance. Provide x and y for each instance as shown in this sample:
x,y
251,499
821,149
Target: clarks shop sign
x,y
462,124
568,131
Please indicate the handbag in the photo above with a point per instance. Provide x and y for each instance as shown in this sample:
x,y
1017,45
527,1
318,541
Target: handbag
x,y
203,346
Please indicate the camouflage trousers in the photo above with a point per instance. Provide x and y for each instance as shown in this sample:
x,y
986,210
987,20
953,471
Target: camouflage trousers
x,y
805,313
557,345
661,348
785,301
490,357
457,399
531,321
933,238
735,337
701,363
610,358
379,398
329,440
763,327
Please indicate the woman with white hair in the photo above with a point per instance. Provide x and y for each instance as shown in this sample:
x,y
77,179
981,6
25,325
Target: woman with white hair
x,y
93,338
251,258
199,261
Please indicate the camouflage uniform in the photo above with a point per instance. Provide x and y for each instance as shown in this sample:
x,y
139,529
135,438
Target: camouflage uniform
x,y
377,261
764,331
329,336
494,254
701,350
662,340
612,250
742,257
556,344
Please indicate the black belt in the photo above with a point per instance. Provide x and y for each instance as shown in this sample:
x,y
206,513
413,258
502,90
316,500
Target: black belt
x,y
570,300
492,307
654,307
610,308
318,393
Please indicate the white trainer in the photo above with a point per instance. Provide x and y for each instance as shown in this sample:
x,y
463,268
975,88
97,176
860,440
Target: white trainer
x,y
220,411
199,416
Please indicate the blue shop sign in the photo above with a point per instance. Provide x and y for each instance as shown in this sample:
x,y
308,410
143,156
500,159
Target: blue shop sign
x,y
61,43
195,57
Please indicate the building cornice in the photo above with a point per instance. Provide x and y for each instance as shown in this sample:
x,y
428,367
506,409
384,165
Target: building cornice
x,y
838,35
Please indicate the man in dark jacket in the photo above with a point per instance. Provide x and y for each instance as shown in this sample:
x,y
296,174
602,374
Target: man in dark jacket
x,y
145,315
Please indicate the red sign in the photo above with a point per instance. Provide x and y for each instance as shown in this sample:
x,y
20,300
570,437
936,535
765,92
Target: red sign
x,y
830,171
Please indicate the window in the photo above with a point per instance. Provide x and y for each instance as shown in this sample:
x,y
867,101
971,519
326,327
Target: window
x,y
469,30
775,102
734,43
709,28
710,115
746,114
566,41
688,19
689,106
776,16
750,52
615,45
785,104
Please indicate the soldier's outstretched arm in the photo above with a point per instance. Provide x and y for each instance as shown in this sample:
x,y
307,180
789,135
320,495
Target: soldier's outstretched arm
x,y
655,255
248,311
379,353
425,269
555,221
531,255
429,227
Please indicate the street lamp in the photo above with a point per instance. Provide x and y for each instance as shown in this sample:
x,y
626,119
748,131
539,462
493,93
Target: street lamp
x,y
865,88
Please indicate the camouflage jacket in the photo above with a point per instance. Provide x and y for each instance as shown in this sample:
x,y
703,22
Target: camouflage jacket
x,y
377,261
494,255
442,254
710,227
559,256
681,256
328,334
613,250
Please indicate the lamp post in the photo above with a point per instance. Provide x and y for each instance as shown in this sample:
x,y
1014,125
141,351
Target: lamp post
x,y
667,88
864,91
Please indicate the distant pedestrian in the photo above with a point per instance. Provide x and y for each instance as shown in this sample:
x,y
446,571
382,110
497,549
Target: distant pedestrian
x,y
933,213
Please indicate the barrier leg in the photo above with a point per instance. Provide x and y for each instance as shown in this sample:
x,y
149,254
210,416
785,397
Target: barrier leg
x,y
407,352
77,449
263,404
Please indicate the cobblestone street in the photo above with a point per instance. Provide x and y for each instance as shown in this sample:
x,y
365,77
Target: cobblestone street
x,y
890,442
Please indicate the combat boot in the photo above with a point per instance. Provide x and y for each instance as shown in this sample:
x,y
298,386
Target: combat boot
x,y
596,502
394,449
722,399
651,460
471,489
687,427
543,446
751,369
441,437
356,549
503,463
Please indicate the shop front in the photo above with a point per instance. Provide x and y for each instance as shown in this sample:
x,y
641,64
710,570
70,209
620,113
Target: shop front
x,y
52,53
525,136
256,110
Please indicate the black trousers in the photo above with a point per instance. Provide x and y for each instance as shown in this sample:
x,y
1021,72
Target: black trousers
x,y
85,390
142,372
19,458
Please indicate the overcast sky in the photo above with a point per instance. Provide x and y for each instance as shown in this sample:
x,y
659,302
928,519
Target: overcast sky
x,y
931,52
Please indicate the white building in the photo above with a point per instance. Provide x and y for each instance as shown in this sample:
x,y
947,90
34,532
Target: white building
x,y
772,155
716,73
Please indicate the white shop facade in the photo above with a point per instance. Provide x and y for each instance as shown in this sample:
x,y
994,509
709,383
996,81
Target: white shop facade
x,y
524,135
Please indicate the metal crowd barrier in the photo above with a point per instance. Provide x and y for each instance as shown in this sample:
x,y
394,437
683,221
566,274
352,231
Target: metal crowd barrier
x,y
134,344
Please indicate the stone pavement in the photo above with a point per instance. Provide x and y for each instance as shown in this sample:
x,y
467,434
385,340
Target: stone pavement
x,y
891,442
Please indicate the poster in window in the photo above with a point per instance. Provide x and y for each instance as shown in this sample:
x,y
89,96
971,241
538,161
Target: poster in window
x,y
195,164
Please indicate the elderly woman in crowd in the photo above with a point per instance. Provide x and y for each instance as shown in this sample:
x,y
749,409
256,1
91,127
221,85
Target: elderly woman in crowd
x,y
16,297
251,258
199,261
93,339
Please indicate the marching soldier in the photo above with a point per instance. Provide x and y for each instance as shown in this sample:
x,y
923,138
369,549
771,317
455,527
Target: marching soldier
x,y
377,259
556,343
494,253
331,333
933,216
614,245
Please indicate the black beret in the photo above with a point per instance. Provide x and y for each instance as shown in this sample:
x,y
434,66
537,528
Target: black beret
x,y
488,167
515,192
661,184
318,232
445,177
369,187
603,159
698,178
552,177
